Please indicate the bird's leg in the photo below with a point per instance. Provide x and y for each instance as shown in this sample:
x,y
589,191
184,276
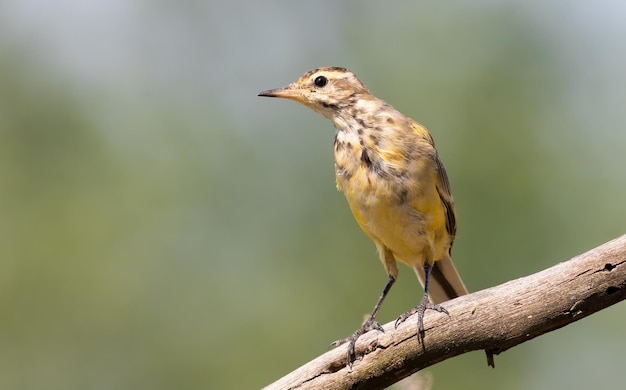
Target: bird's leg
x,y
425,304
370,324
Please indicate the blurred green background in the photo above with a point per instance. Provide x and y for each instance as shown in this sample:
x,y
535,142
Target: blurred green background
x,y
162,227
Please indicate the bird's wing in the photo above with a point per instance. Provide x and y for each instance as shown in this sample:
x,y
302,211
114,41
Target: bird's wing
x,y
443,185
446,282
445,195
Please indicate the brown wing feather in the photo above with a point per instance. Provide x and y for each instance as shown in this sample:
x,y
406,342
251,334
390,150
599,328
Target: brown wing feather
x,y
443,185
445,195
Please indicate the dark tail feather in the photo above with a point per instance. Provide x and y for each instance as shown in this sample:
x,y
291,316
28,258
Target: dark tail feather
x,y
445,282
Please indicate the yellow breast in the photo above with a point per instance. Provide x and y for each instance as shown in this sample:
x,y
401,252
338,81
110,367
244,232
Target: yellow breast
x,y
389,179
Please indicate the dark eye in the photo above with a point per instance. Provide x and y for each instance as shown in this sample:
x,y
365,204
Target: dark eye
x,y
320,81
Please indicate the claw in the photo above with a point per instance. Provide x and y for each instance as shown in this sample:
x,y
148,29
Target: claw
x,y
370,324
420,309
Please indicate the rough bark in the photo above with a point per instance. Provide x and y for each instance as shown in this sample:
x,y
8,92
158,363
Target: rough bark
x,y
494,319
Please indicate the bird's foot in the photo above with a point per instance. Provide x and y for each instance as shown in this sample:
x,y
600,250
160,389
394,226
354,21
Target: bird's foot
x,y
420,309
370,324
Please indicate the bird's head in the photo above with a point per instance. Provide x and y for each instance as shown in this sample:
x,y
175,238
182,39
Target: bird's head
x,y
327,90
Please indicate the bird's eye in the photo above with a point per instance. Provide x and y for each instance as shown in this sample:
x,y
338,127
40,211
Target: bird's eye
x,y
320,81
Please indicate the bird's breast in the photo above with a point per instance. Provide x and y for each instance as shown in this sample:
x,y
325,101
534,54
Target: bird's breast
x,y
370,170
390,191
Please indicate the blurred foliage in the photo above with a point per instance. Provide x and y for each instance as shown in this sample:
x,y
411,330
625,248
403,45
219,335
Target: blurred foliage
x,y
161,227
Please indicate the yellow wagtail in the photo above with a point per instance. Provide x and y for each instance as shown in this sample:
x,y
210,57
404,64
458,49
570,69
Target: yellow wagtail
x,y
388,168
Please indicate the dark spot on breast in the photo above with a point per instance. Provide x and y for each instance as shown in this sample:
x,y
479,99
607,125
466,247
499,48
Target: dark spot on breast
x,y
375,140
399,173
403,195
360,131
361,122
373,163
378,169
339,145
390,121
342,172
349,145
365,159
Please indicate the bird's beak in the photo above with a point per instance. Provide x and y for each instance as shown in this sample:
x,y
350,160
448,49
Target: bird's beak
x,y
288,92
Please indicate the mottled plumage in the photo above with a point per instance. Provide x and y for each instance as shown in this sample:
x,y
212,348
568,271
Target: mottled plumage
x,y
388,168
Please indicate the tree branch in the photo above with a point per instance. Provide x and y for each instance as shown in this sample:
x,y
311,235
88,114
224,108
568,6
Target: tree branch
x,y
494,319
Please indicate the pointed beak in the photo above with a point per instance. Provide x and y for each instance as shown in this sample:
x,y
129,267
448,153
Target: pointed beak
x,y
288,92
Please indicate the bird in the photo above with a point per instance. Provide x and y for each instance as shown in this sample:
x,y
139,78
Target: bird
x,y
395,184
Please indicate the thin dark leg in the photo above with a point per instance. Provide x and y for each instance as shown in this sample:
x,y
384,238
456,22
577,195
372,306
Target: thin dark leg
x,y
427,270
382,296
420,309
370,324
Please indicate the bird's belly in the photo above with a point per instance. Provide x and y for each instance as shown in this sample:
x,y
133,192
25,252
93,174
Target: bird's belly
x,y
401,219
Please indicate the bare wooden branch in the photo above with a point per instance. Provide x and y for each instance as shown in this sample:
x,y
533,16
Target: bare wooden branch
x,y
494,319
